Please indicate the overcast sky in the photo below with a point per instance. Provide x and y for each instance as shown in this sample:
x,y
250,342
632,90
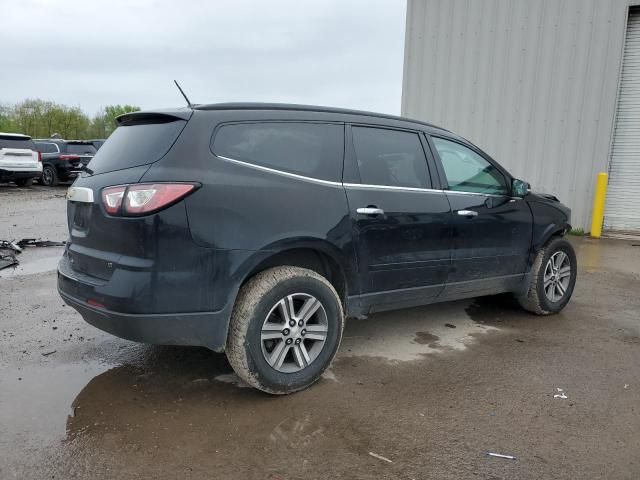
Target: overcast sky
x,y
90,54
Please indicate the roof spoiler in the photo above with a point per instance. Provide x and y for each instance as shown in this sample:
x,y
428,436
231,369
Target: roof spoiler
x,y
159,116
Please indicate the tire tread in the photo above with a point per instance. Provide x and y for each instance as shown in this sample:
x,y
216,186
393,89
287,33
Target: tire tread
x,y
246,302
531,301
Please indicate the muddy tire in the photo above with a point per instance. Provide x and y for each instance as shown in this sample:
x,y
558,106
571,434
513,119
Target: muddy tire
x,y
24,182
553,278
285,329
49,176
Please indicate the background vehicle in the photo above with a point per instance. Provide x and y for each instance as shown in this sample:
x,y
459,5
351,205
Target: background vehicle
x,y
19,160
62,160
255,228
98,142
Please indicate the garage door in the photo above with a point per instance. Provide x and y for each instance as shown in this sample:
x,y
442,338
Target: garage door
x,y
622,211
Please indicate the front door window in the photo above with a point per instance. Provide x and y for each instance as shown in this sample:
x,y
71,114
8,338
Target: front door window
x,y
466,171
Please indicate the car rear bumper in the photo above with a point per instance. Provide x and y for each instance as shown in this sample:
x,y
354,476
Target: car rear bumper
x,y
15,174
207,329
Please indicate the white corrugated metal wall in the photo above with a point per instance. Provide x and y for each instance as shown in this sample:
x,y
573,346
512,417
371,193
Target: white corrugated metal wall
x,y
622,212
532,82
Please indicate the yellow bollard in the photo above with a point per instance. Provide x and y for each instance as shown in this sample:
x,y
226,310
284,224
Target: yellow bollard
x,y
598,205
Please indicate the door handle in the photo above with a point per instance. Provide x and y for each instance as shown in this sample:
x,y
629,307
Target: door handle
x,y
467,213
370,211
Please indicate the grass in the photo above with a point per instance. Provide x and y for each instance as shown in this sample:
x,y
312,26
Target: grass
x,y
578,232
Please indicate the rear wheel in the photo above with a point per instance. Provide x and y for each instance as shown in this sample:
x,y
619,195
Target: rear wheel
x,y
49,176
24,182
553,278
285,329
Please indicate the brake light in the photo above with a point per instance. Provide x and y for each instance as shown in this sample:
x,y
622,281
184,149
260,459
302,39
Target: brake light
x,y
40,156
143,198
69,157
112,199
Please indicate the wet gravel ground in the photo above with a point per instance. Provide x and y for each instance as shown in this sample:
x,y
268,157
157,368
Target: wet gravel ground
x,y
430,398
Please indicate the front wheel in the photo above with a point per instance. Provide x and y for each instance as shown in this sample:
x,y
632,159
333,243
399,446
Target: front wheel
x,y
553,278
285,329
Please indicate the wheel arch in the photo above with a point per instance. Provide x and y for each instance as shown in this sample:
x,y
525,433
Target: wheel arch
x,y
552,230
304,255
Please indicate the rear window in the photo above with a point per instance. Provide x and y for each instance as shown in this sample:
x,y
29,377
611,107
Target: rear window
x,y
309,149
9,141
134,145
81,148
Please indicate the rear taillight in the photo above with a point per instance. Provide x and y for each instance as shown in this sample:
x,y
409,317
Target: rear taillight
x,y
143,198
69,157
112,199
39,156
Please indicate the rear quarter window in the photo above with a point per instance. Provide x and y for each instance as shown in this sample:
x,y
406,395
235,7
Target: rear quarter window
x,y
45,147
310,149
135,145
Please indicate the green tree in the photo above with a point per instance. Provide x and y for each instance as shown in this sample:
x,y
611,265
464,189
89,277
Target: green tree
x,y
6,124
98,126
113,111
41,119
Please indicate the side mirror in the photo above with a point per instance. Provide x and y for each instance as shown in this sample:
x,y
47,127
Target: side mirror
x,y
519,188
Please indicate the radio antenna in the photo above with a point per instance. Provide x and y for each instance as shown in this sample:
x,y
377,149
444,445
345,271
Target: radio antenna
x,y
182,92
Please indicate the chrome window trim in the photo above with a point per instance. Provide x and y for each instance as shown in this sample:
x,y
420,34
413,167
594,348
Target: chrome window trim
x,y
457,192
281,172
80,194
390,187
349,185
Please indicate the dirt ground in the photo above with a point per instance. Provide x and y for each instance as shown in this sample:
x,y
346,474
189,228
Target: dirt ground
x,y
433,400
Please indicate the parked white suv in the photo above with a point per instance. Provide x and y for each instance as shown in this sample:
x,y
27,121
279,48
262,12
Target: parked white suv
x,y
19,160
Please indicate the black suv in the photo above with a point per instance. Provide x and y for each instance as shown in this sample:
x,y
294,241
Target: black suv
x,y
63,160
98,142
255,229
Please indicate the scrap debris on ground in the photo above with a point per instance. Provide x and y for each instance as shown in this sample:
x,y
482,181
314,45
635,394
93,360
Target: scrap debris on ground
x,y
9,249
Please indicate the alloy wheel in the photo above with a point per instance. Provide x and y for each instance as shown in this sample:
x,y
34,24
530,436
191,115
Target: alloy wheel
x,y
294,332
47,176
557,276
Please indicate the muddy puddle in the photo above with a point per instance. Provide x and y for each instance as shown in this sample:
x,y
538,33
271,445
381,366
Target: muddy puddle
x,y
34,260
121,387
408,335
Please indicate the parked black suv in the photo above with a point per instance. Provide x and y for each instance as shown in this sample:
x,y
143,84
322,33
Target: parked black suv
x,y
62,160
98,142
256,228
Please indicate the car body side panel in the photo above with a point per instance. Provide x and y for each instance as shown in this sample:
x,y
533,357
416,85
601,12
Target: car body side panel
x,y
550,217
494,243
244,208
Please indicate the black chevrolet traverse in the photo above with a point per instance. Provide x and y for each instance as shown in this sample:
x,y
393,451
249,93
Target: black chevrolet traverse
x,y
255,229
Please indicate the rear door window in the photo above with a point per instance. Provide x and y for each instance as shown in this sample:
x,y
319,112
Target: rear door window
x,y
81,148
136,144
10,141
310,149
390,158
